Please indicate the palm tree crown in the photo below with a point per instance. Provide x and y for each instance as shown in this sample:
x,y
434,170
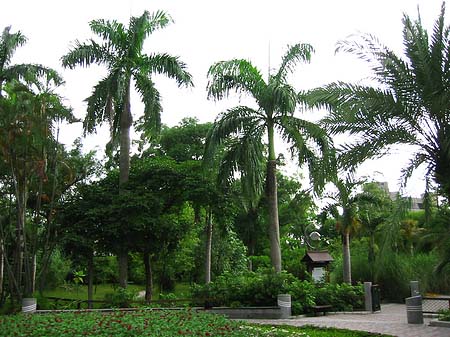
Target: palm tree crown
x,y
409,107
31,73
241,129
121,53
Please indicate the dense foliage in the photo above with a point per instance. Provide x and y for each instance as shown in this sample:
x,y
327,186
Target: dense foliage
x,y
262,289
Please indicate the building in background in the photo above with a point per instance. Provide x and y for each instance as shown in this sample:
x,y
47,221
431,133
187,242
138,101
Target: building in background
x,y
416,203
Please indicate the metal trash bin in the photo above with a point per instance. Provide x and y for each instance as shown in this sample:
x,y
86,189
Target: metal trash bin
x,y
414,312
28,305
376,297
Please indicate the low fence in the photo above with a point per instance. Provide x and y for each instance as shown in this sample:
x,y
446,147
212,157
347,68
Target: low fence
x,y
84,304
282,310
433,304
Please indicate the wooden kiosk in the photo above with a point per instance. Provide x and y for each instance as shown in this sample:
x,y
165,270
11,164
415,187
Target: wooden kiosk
x,y
317,263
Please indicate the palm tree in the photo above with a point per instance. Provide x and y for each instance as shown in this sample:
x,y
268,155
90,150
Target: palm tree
x,y
121,52
344,208
9,42
410,106
242,129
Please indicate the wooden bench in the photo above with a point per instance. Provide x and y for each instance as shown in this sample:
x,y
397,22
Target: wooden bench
x,y
321,308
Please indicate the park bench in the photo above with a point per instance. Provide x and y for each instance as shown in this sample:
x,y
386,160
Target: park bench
x,y
321,308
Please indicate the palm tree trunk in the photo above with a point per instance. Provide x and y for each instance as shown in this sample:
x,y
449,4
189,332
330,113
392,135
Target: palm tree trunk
x,y
272,201
124,173
274,228
209,232
148,277
346,257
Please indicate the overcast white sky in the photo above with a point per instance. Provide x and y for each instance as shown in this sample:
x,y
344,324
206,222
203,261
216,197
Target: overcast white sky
x,y
207,31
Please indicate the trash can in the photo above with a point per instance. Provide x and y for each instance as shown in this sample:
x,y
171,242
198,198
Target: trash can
x,y
28,305
376,297
414,312
284,303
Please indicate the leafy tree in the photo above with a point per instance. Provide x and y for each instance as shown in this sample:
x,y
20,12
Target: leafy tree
x,y
121,51
410,105
240,130
27,140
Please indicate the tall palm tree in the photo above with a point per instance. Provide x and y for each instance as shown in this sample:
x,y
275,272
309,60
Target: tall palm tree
x,y
410,105
9,42
121,51
241,130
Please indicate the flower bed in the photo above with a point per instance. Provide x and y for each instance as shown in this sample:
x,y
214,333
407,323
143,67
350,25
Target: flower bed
x,y
149,323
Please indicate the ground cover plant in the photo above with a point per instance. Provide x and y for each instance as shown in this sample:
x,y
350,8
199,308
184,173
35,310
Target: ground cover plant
x,y
149,323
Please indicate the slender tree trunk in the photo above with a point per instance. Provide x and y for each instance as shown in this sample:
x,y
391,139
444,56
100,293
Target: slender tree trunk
x,y
90,275
126,121
33,273
123,269
209,233
2,268
148,278
20,238
346,258
272,201
371,255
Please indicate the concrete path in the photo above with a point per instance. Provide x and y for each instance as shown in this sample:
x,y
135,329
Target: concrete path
x,y
391,321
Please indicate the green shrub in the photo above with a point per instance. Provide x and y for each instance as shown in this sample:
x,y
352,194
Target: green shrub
x,y
57,270
302,296
120,298
444,315
262,289
342,297
105,269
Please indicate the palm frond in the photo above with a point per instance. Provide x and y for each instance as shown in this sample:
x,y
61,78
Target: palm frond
x,y
85,54
244,154
279,98
238,75
142,26
8,45
100,105
33,74
301,52
150,122
168,65
111,32
232,122
311,145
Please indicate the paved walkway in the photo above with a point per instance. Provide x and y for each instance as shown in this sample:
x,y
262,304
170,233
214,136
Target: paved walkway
x,y
391,321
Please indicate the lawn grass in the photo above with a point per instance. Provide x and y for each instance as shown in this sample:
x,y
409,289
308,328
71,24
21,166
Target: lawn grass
x,y
182,290
149,323
79,293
